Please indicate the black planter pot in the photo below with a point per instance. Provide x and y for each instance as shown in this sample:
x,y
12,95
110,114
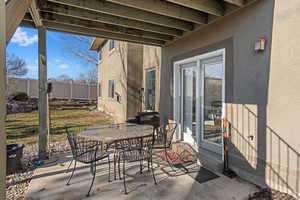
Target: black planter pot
x,y
14,156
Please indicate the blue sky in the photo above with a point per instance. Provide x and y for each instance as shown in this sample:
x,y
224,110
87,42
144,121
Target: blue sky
x,y
24,44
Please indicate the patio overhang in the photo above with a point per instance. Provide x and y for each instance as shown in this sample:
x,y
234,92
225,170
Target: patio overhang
x,y
150,22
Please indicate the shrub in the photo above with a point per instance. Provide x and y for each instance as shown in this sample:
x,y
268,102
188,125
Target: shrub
x,y
19,96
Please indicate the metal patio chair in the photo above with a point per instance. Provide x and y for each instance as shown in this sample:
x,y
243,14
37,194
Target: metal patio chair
x,y
86,151
136,149
115,148
163,138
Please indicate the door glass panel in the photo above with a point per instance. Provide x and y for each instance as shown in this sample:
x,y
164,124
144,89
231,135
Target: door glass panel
x,y
189,77
150,90
212,113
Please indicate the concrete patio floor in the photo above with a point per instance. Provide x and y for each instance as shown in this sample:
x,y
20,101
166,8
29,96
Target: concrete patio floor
x,y
49,182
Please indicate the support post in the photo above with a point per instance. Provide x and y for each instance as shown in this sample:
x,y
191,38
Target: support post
x,y
2,100
43,96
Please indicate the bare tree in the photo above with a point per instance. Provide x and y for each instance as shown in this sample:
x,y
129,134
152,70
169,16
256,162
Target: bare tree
x,y
15,66
91,77
63,78
81,79
80,48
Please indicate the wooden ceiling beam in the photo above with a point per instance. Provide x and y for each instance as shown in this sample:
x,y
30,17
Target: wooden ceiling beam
x,y
91,32
27,23
166,9
35,14
239,3
101,34
127,12
213,7
108,19
50,17
15,12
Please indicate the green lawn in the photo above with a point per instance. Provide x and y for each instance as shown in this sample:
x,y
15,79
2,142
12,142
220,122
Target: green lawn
x,y
23,127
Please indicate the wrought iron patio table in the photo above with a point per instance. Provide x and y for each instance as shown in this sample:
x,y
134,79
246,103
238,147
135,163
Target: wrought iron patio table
x,y
113,132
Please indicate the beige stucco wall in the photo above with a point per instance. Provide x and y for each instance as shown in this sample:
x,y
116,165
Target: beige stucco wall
x,y
127,64
152,59
113,66
262,92
134,79
283,108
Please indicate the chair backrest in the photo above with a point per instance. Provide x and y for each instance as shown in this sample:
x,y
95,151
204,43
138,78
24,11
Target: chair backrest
x,y
169,130
72,132
80,145
135,148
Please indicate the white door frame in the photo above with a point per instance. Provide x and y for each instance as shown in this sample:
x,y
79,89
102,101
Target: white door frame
x,y
177,90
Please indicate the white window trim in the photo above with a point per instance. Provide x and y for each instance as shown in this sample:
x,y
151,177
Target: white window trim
x,y
145,71
112,98
110,51
100,60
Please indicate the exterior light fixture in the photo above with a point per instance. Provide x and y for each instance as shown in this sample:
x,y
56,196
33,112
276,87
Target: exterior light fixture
x,y
260,45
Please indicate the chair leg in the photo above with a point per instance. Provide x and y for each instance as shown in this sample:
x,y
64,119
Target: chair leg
x,y
69,165
115,171
108,168
94,174
148,162
124,175
119,168
158,162
141,166
153,171
68,183
168,160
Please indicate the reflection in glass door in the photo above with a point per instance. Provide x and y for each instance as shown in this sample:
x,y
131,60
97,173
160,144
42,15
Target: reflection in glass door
x,y
212,80
188,102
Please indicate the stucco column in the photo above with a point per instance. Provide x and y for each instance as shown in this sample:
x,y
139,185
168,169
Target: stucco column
x,y
2,100
43,97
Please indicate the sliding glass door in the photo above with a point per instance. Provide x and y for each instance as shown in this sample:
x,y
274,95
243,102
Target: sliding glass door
x,y
201,102
212,103
189,101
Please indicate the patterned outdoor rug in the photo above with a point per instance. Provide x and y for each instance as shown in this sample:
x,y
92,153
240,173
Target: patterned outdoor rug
x,y
200,174
173,157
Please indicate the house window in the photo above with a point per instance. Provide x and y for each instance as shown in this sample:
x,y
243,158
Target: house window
x,y
112,44
150,89
99,56
99,89
111,88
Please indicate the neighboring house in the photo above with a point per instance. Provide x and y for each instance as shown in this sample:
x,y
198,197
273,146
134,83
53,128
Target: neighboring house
x,y
129,76
244,68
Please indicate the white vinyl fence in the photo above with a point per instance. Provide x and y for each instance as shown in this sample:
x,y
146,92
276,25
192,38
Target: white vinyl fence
x,y
60,89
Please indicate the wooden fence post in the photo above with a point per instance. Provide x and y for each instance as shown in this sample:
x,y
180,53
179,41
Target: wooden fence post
x,y
71,90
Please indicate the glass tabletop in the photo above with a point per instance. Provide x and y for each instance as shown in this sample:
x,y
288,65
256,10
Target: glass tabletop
x,y
113,132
